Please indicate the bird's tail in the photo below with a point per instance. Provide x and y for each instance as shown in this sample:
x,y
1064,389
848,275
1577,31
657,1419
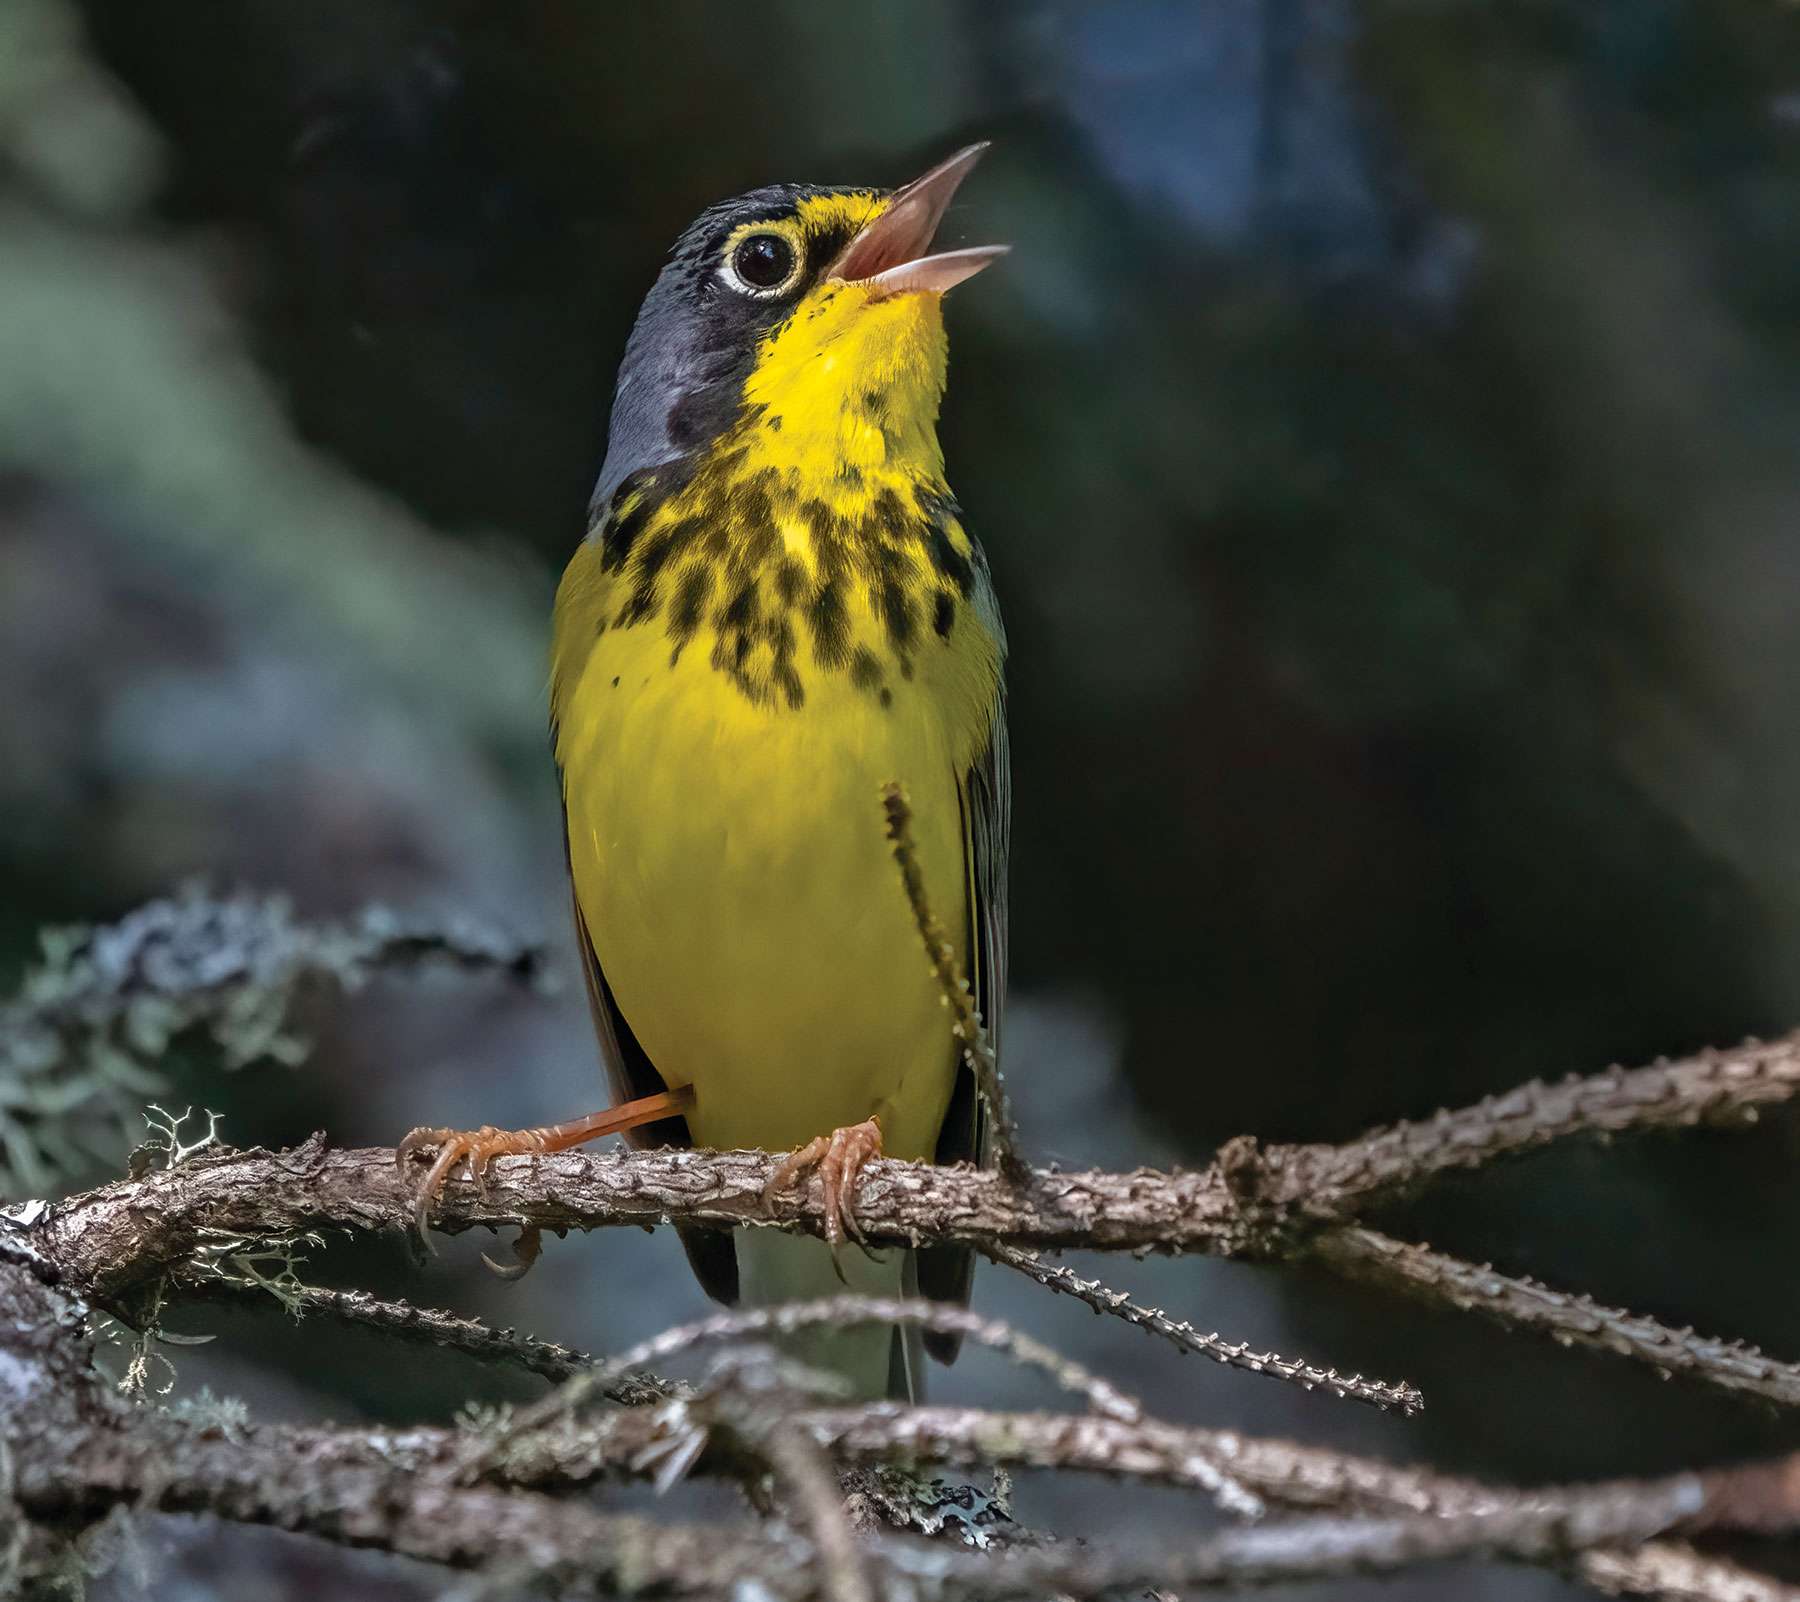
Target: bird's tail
x,y
879,1360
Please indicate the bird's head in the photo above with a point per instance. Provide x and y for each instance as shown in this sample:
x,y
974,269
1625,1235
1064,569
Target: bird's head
x,y
809,314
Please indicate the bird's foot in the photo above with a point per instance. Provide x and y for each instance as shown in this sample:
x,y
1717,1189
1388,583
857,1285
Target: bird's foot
x,y
839,1158
481,1146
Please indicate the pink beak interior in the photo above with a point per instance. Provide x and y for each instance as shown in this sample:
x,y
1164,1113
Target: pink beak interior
x,y
891,255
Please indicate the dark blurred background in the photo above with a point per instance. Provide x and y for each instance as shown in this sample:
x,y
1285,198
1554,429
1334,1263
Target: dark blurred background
x,y
1386,434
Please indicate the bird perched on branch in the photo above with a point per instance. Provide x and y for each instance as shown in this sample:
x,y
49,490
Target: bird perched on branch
x,y
776,613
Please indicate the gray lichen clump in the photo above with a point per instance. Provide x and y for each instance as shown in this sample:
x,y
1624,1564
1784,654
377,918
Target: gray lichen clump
x,y
83,1043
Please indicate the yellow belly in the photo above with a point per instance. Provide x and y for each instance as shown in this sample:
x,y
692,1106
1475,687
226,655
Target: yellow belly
x,y
730,863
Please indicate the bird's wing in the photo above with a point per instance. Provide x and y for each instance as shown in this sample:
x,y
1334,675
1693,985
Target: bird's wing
x,y
631,1074
946,1273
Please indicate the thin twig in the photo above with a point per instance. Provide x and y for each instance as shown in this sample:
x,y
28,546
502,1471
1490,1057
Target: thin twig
x,y
1383,1394
789,1318
1721,1088
804,1470
1568,1319
1673,1572
977,1049
433,1326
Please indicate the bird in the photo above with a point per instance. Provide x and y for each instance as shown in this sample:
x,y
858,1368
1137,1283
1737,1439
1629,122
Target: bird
x,y
776,613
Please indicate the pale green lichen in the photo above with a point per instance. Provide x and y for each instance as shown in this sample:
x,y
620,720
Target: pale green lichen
x,y
83,1043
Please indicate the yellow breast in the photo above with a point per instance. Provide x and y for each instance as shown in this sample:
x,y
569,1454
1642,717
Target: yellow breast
x,y
736,678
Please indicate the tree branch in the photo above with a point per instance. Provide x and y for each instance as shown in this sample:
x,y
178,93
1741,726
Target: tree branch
x,y
1728,1087
1569,1319
122,1238
78,1450
1381,1394
433,1326
124,1243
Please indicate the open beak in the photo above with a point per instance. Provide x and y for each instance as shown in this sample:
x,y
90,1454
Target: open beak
x,y
889,256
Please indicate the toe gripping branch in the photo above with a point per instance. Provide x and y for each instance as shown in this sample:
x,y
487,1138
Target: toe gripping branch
x,y
481,1146
840,1158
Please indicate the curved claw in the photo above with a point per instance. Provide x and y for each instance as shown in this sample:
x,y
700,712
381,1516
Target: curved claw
x,y
526,1251
417,1140
449,1152
840,1158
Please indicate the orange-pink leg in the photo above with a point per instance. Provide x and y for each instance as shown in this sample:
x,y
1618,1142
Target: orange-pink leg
x,y
482,1146
839,1158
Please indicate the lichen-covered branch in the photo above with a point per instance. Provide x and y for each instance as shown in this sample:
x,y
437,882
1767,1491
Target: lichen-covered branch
x,y
115,1241
78,1451
168,1230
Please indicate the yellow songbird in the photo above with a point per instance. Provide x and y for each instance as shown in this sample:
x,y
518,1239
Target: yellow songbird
x,y
776,612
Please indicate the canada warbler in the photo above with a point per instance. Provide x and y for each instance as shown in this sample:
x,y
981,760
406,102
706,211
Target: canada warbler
x,y
776,612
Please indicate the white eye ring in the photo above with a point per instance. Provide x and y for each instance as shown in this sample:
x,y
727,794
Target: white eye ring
x,y
734,276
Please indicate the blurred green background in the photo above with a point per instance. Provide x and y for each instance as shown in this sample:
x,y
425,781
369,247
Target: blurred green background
x,y
1386,435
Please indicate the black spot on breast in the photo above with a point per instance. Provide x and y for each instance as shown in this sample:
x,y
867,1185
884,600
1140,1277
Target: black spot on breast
x,y
741,610
890,518
790,581
830,550
759,539
615,681
830,625
943,616
774,423
865,669
653,555
898,616
850,474
690,601
948,560
781,642
875,400
887,696
619,535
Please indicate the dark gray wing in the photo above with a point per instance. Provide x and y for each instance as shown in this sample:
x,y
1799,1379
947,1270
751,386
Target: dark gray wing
x,y
631,1074
947,1273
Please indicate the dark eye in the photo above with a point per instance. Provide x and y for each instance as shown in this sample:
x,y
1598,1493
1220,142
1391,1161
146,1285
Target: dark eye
x,y
763,261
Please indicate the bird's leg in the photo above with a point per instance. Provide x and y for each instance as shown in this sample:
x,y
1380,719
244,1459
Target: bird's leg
x,y
482,1146
839,1158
